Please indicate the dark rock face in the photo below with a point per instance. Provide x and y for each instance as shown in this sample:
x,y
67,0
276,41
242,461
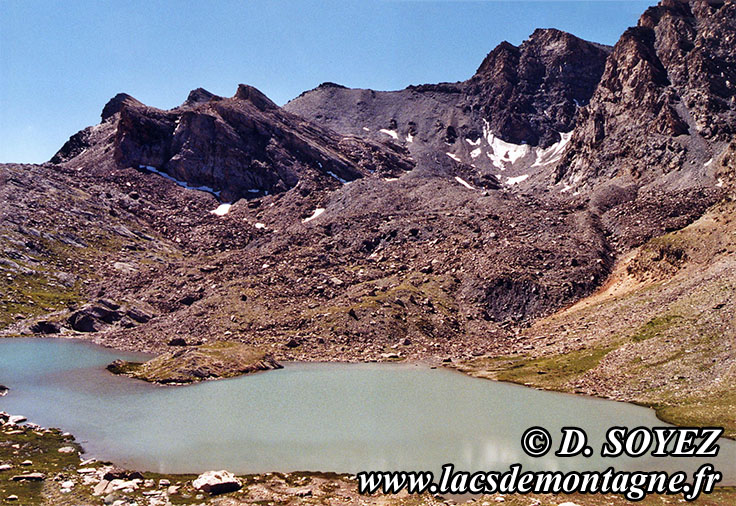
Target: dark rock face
x,y
531,93
46,327
96,317
122,474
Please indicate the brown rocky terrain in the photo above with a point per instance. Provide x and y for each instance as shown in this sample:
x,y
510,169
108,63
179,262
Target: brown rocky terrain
x,y
562,218
349,244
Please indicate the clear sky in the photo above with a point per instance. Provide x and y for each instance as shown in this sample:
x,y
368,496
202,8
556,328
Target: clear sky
x,y
61,61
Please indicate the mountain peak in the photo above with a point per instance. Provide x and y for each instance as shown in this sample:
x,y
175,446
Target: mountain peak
x,y
502,52
116,103
198,96
255,96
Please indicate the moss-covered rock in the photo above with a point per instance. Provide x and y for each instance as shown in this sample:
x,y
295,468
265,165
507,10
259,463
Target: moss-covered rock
x,y
222,359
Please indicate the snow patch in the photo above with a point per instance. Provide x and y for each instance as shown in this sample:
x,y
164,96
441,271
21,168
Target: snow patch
x,y
317,213
366,129
719,184
222,209
518,179
464,183
476,153
708,163
553,153
343,181
389,179
392,133
454,157
183,184
473,142
409,138
503,152
260,226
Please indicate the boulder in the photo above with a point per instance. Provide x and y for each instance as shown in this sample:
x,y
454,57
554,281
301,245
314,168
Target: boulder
x,y
3,391
100,487
83,323
217,482
93,317
121,474
109,304
138,315
46,327
29,477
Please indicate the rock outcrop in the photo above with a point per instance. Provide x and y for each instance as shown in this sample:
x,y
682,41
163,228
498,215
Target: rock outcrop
x,y
665,106
217,360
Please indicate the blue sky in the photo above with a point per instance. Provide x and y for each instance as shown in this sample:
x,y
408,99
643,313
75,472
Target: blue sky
x,y
61,61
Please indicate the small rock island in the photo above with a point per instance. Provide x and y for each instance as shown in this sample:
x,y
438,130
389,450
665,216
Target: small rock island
x,y
221,359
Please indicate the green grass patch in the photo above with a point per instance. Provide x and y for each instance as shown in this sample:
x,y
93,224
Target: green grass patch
x,y
551,372
654,327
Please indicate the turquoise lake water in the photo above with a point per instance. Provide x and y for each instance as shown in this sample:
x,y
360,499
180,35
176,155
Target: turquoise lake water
x,y
309,417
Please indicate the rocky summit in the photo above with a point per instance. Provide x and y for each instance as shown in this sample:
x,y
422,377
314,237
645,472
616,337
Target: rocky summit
x,y
441,221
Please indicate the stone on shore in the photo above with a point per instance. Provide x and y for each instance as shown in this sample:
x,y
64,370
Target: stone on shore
x,y
217,482
29,477
16,419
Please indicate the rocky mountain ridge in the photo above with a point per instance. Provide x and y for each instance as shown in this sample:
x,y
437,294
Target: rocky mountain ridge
x,y
238,147
513,113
